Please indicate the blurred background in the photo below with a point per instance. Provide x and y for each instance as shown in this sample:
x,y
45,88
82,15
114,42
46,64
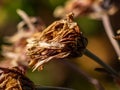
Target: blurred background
x,y
56,73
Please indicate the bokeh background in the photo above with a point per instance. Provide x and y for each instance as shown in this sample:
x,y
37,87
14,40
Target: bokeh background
x,y
56,73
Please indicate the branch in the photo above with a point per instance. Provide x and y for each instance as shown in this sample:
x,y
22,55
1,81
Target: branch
x,y
110,34
99,61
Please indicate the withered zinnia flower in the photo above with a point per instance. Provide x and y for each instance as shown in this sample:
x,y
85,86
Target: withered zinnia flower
x,y
59,40
13,79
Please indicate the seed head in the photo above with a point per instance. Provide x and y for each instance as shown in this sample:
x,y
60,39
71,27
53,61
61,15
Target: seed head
x,y
13,79
59,40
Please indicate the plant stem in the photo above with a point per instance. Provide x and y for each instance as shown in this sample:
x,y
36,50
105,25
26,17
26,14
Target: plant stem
x,y
110,34
99,61
93,81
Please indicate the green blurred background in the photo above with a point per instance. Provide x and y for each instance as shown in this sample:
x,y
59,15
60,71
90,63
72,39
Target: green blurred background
x,y
56,73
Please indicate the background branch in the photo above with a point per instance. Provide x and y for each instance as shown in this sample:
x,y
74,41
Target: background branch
x,y
110,34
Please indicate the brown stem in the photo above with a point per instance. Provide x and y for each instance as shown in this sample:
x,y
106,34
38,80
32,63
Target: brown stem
x,y
110,34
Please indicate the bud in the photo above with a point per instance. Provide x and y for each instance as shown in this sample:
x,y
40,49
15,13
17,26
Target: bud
x,y
59,40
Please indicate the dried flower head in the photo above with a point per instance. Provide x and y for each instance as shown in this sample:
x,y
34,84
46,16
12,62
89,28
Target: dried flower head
x,y
15,54
13,79
92,8
59,40
78,7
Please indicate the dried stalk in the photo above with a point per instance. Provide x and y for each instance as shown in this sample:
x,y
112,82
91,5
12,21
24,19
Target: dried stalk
x,y
110,34
103,14
99,61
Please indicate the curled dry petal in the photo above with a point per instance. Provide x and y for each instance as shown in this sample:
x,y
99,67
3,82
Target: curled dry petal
x,y
61,39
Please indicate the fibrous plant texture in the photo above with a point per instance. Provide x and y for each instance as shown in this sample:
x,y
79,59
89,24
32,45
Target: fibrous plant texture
x,y
13,79
59,40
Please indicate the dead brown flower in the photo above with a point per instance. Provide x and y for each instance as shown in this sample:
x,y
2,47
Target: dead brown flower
x,y
78,7
13,79
15,54
59,40
92,8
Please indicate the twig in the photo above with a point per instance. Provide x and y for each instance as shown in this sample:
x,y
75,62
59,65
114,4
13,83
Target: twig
x,y
110,34
93,81
26,18
99,61
107,25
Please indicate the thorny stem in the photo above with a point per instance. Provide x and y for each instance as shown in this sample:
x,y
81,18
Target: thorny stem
x,y
110,34
93,81
99,61
26,18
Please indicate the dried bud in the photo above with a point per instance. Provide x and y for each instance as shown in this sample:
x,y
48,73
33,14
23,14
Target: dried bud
x,y
13,79
59,40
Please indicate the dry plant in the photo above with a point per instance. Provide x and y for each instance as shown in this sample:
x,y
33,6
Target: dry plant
x,y
14,66
34,45
59,40
13,79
